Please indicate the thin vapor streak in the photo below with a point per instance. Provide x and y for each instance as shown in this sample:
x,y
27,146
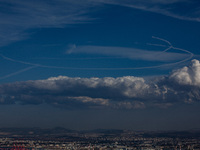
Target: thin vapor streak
x,y
159,9
165,50
132,68
87,58
160,45
18,72
154,37
18,61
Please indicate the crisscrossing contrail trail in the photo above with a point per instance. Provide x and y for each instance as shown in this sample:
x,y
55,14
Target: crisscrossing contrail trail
x,y
34,65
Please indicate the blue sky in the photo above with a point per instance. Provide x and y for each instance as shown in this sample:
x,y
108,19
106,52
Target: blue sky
x,y
128,58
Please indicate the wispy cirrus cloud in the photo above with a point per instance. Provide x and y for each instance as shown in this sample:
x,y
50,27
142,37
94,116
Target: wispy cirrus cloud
x,y
122,52
19,16
131,53
128,92
180,9
140,54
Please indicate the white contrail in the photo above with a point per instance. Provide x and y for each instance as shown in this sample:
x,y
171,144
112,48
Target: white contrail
x,y
86,58
18,61
172,47
154,37
131,68
160,45
18,72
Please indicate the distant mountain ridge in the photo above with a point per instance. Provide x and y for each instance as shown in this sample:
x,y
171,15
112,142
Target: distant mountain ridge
x,y
63,132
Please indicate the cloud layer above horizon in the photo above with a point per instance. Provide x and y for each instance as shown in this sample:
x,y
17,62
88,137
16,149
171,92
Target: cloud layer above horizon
x,y
128,92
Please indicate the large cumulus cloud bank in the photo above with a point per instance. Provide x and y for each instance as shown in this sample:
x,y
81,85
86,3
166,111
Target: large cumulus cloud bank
x,y
128,92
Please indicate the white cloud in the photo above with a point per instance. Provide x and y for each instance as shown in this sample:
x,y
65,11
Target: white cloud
x,y
132,53
85,99
181,86
188,75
